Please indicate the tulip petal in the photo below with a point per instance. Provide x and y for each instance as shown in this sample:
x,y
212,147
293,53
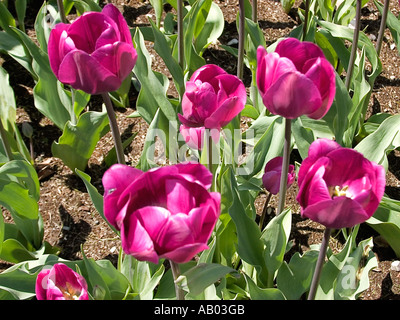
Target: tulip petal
x,y
55,54
270,68
185,253
321,72
119,58
298,51
118,177
229,109
205,216
340,212
271,181
198,102
136,241
314,188
41,284
319,148
87,29
176,233
195,172
348,165
180,197
76,67
153,219
194,137
292,95
115,181
230,86
112,12
208,73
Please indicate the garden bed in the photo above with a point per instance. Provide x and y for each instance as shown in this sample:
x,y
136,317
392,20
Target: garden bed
x,y
72,222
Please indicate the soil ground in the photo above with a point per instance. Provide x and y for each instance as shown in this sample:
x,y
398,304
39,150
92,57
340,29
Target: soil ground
x,y
70,219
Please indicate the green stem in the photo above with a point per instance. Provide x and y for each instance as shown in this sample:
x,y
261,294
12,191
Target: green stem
x,y
354,46
61,10
320,263
180,295
285,166
6,145
114,128
264,213
254,15
180,33
306,14
241,40
382,27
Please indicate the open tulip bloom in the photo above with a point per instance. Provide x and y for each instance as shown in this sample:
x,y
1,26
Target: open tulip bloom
x,y
338,187
95,53
295,80
211,100
60,283
165,212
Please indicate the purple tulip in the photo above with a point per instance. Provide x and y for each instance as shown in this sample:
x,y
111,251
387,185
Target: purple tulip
x,y
165,212
295,80
338,187
272,176
60,283
211,100
95,53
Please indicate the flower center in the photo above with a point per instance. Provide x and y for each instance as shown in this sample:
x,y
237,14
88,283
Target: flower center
x,y
69,292
337,191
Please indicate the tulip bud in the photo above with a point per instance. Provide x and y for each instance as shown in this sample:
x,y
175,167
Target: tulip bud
x,y
211,100
27,129
272,176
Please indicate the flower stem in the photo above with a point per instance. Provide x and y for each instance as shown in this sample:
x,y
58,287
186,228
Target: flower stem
x,y
354,46
6,145
241,40
382,27
320,263
180,295
254,11
285,166
262,218
209,152
61,10
180,33
114,128
306,14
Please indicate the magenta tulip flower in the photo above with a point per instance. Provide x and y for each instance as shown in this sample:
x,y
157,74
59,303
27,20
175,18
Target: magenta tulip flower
x,y
60,283
295,80
211,100
338,187
95,53
272,176
165,212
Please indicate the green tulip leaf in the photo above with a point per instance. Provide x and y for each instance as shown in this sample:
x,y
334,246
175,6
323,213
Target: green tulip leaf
x,y
198,278
294,278
78,142
386,221
257,293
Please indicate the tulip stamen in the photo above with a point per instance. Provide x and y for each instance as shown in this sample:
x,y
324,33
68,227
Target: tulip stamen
x,y
69,292
337,191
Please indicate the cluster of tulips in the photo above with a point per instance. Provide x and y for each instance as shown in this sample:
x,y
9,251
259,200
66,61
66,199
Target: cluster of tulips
x,y
170,212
